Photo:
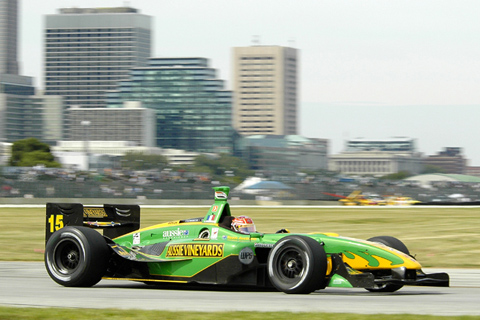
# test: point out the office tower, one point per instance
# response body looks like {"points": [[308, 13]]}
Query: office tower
{"points": [[193, 111], [88, 50], [8, 36], [24, 114], [265, 85], [20, 111], [130, 123]]}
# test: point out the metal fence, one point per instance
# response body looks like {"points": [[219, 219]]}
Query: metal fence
{"points": [[85, 187]]}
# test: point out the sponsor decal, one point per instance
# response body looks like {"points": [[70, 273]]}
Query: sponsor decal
{"points": [[224, 237], [214, 208], [136, 238], [175, 233], [211, 218], [214, 233], [195, 250], [220, 195], [246, 255], [263, 245], [94, 213], [237, 238]]}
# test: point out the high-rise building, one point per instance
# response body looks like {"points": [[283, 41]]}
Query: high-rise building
{"points": [[26, 115], [193, 110], [23, 114], [265, 85], [88, 50], [8, 36]]}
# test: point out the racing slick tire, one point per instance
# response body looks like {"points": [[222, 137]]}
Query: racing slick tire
{"points": [[297, 264], [76, 256], [394, 243]]}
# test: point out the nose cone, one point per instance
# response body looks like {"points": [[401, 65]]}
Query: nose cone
{"points": [[378, 256]]}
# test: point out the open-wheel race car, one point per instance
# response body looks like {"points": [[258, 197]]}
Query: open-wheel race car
{"points": [[218, 249]]}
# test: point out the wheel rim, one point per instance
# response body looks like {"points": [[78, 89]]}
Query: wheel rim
{"points": [[66, 257], [290, 264]]}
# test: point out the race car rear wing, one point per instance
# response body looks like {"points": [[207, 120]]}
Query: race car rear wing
{"points": [[115, 219]]}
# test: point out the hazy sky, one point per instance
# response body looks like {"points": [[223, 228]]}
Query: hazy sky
{"points": [[372, 69]]}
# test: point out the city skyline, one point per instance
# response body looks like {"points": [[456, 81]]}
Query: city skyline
{"points": [[374, 69]]}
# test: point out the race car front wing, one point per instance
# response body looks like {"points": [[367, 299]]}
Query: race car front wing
{"points": [[341, 272]]}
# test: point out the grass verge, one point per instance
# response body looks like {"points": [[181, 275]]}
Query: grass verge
{"points": [[9, 313]]}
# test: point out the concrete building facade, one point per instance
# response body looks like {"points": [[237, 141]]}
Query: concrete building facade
{"points": [[265, 82], [450, 160], [81, 155], [25, 114], [130, 123], [5, 152], [377, 157], [87, 51], [281, 156], [8, 36]]}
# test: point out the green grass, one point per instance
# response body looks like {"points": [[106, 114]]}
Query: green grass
{"points": [[9, 313], [438, 237]]}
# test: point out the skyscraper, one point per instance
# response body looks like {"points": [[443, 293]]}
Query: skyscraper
{"points": [[193, 110], [265, 84], [8, 36], [88, 50], [22, 114]]}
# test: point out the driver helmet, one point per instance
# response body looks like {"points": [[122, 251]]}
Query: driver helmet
{"points": [[243, 224]]}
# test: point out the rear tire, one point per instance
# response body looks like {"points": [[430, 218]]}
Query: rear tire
{"points": [[297, 264], [394, 243], [76, 256]]}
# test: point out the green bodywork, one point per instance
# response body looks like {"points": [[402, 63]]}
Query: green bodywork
{"points": [[202, 250]]}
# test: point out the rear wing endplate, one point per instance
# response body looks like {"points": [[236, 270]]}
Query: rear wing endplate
{"points": [[115, 219]]}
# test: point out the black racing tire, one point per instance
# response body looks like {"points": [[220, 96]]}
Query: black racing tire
{"points": [[297, 264], [394, 243], [76, 256]]}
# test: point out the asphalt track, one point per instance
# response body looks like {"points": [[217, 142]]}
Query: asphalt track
{"points": [[26, 284]]}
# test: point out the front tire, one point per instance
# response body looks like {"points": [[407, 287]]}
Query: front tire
{"points": [[394, 243], [297, 264], [76, 256]]}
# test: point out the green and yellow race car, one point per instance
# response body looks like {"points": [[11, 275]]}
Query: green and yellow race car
{"points": [[218, 249]]}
